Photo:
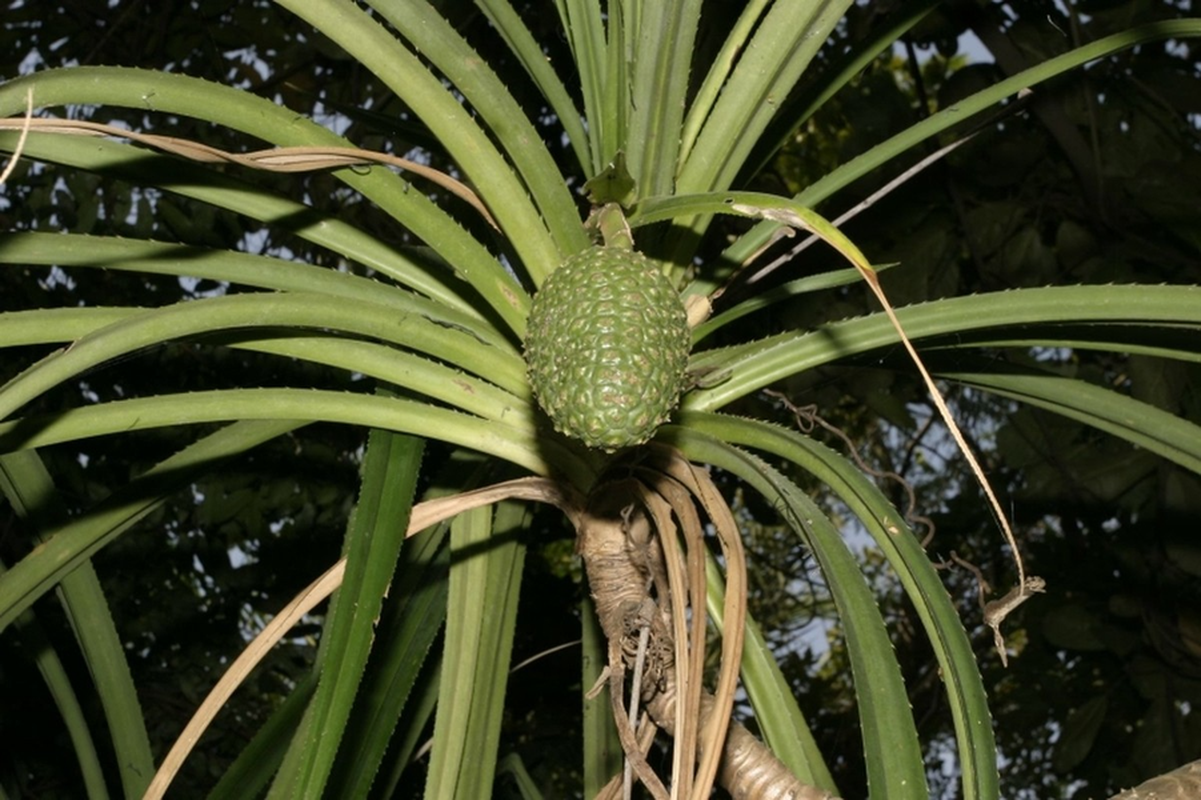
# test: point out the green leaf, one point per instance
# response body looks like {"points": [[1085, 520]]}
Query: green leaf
{"points": [[485, 574], [413, 732], [527, 50], [1027, 79], [30, 489], [747, 204], [376, 532], [787, 291], [613, 184], [512, 765], [894, 756], [76, 251], [719, 73], [782, 46], [602, 746], [1159, 431], [584, 26], [36, 646], [1079, 733], [254, 767], [263, 311], [415, 374], [887, 151], [240, 110], [960, 321], [664, 43], [956, 658], [374, 46], [411, 618], [517, 445], [436, 39], [71, 544], [132, 164], [802, 105], [400, 686]]}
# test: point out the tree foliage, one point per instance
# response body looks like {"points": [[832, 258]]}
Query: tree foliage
{"points": [[1091, 180]]}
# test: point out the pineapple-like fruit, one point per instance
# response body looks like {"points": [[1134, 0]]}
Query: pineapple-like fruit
{"points": [[607, 347]]}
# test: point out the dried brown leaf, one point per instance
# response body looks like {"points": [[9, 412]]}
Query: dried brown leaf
{"points": [[276, 159]]}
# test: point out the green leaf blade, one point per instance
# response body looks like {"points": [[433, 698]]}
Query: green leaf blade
{"points": [[481, 614], [240, 110], [957, 660], [894, 756], [374, 537], [69, 546]]}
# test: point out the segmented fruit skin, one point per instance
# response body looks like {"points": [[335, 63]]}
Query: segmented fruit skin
{"points": [[607, 346]]}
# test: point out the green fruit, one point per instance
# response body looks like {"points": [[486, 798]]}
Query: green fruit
{"points": [[607, 346]]}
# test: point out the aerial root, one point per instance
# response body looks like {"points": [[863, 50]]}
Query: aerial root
{"points": [[641, 536]]}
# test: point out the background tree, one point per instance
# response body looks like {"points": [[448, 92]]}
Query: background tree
{"points": [[1103, 691]]}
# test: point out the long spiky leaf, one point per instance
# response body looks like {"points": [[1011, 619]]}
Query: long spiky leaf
{"points": [[666, 38], [262, 311], [31, 491], [894, 761], [423, 91], [378, 526], [79, 251], [956, 114], [494, 105], [957, 660], [517, 445], [70, 545], [509, 24], [239, 110]]}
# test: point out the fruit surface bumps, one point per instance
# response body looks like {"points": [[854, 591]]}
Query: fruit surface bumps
{"points": [[607, 346]]}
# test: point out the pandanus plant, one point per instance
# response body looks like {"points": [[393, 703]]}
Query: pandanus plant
{"points": [[617, 419]]}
